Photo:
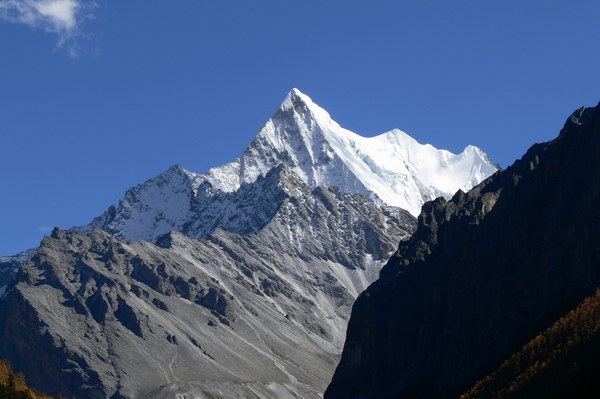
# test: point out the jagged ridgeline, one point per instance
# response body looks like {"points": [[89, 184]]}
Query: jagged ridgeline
{"points": [[235, 283], [486, 275]]}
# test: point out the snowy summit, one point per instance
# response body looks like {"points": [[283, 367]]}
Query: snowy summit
{"points": [[391, 168]]}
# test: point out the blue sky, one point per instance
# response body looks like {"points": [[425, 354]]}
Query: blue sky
{"points": [[97, 97]]}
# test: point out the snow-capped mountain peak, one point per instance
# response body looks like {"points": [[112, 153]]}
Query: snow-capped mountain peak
{"points": [[391, 168], [303, 105], [295, 136]]}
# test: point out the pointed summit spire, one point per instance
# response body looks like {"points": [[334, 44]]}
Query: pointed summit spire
{"points": [[295, 96], [295, 99], [298, 102]]}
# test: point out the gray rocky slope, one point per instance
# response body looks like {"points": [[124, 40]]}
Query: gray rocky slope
{"points": [[253, 309]]}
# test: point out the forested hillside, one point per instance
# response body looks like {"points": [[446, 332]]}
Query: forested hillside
{"points": [[13, 386], [561, 362]]}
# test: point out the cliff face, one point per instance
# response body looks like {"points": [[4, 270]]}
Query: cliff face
{"points": [[484, 273]]}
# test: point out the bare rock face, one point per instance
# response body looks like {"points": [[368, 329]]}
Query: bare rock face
{"points": [[482, 275], [256, 307]]}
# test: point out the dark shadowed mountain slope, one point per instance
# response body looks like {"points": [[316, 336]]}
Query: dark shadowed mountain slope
{"points": [[484, 273]]}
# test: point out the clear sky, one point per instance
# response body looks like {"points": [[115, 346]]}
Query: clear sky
{"points": [[97, 97]]}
